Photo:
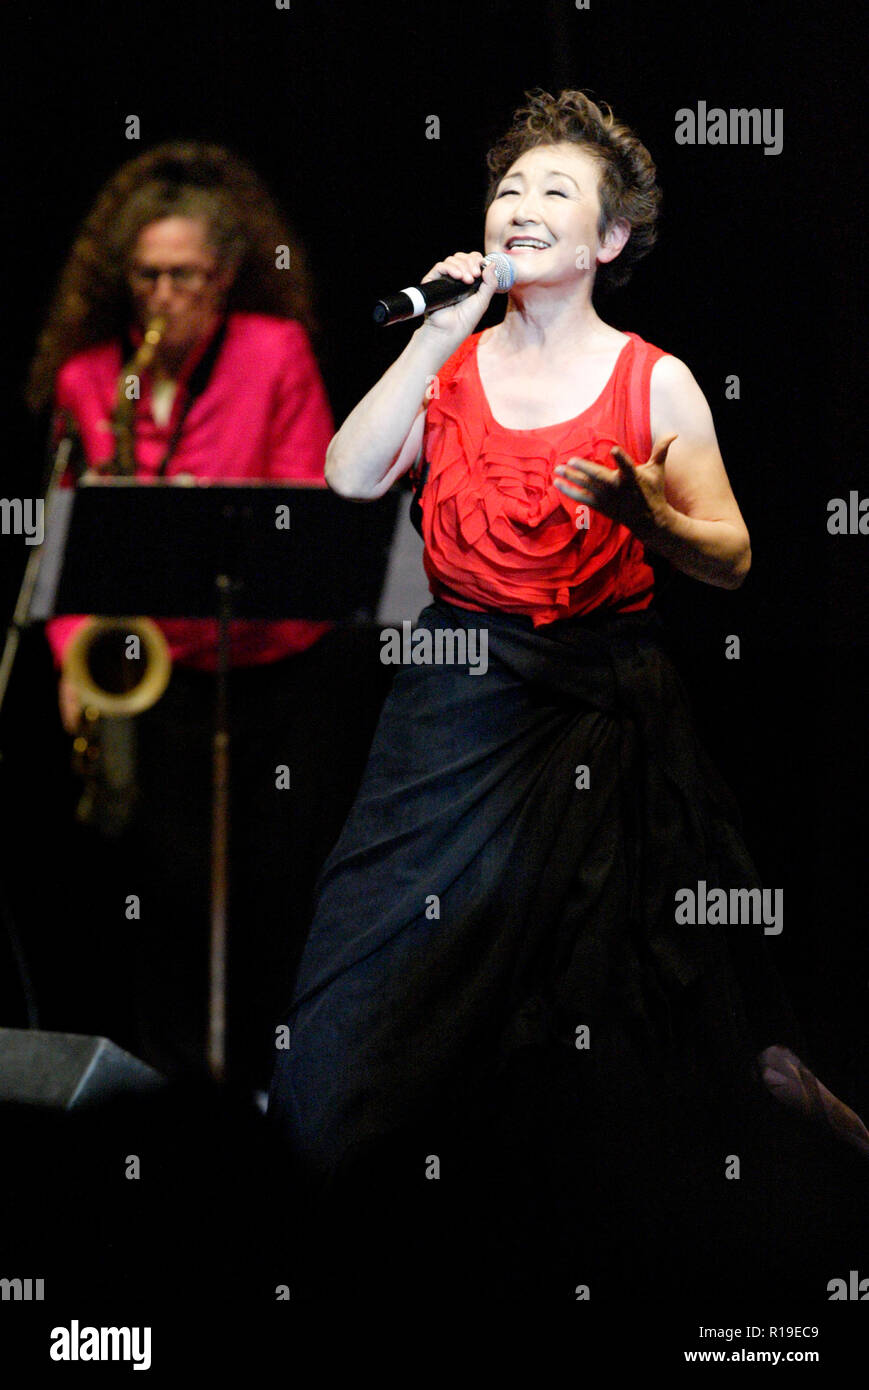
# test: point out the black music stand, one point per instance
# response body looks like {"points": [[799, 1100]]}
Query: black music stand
{"points": [[195, 548]]}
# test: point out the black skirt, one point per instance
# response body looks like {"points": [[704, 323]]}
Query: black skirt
{"points": [[488, 895], [501, 1035]]}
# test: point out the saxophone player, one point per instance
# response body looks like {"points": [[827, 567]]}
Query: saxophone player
{"points": [[185, 245]]}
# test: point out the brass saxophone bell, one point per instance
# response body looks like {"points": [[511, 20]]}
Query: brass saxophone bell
{"points": [[118, 665]]}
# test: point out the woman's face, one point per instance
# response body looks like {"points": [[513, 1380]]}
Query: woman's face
{"points": [[545, 213], [174, 271]]}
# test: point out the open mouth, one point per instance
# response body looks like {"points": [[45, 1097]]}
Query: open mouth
{"points": [[526, 243]]}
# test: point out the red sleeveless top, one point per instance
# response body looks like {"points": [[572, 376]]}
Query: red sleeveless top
{"points": [[498, 533]]}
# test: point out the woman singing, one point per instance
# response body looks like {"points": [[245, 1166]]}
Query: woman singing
{"points": [[497, 983]]}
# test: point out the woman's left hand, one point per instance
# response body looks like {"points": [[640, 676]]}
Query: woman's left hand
{"points": [[633, 495]]}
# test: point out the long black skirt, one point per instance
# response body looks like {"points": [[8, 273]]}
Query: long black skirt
{"points": [[496, 997]]}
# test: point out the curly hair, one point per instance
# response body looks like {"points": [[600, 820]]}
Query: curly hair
{"points": [[180, 179], [627, 180]]}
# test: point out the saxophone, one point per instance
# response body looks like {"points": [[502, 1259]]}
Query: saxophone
{"points": [[119, 666], [124, 461]]}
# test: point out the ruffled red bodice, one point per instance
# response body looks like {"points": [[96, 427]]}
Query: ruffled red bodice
{"points": [[498, 533]]}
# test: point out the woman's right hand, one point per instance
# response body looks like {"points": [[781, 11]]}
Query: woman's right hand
{"points": [[376, 443], [458, 320]]}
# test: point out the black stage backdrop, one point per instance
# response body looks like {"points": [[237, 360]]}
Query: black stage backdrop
{"points": [[757, 275]]}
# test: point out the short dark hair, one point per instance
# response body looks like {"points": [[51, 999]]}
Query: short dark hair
{"points": [[628, 187]]}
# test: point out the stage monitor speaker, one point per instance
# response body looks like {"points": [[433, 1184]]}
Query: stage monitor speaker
{"points": [[68, 1070]]}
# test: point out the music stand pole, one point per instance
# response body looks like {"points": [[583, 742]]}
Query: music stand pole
{"points": [[219, 843]]}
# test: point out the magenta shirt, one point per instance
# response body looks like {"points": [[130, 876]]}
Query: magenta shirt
{"points": [[263, 414]]}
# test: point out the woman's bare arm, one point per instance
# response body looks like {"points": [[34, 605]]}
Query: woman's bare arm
{"points": [[382, 437], [706, 535], [679, 502]]}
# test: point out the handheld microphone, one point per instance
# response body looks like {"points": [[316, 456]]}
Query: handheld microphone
{"points": [[439, 294]]}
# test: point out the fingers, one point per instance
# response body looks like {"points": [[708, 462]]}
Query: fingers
{"points": [[586, 468], [577, 478], [659, 450], [69, 705], [591, 476], [576, 493], [70, 720], [584, 471], [624, 461], [462, 265], [627, 465]]}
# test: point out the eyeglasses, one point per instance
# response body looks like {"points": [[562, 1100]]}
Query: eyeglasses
{"points": [[183, 277]]}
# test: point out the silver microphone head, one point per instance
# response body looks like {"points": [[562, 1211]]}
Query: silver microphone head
{"points": [[503, 268]]}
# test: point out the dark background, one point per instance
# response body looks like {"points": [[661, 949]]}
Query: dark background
{"points": [[758, 273]]}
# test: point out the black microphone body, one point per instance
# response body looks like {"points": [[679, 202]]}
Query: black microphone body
{"points": [[417, 300]]}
